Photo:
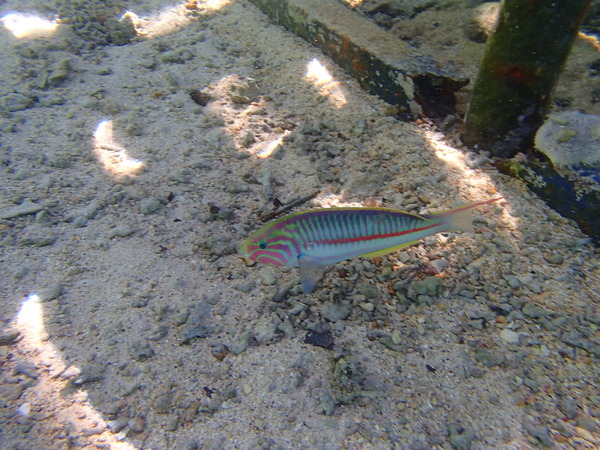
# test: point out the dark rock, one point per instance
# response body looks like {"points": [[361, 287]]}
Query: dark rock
{"points": [[319, 339]]}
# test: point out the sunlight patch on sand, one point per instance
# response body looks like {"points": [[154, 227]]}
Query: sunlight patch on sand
{"points": [[28, 25], [113, 157], [170, 19], [47, 395], [476, 184], [318, 75], [268, 148]]}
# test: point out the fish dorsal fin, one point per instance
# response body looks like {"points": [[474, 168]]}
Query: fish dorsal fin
{"points": [[310, 272], [385, 251]]}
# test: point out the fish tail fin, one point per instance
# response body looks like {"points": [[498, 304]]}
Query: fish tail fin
{"points": [[461, 221], [461, 217]]}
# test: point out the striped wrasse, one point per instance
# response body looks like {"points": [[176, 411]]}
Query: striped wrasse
{"points": [[315, 239]]}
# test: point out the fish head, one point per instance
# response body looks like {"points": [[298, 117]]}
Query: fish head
{"points": [[268, 245]]}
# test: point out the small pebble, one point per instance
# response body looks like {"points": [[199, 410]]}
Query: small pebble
{"points": [[27, 207], [509, 336], [121, 231], [137, 424], [50, 293], [149, 205], [7, 337], [24, 409], [322, 339], [554, 258]]}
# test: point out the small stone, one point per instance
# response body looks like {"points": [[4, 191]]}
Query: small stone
{"points": [[117, 425], [489, 358], [532, 384], [37, 236], [241, 343], [141, 350], [162, 402], [244, 92], [586, 422], [554, 258], [121, 231], [87, 432], [540, 433], [50, 293], [368, 290], [568, 407], [367, 306], [509, 336], [544, 351], [194, 331], [137, 424], [70, 372], [122, 31], [27, 207], [59, 72], [269, 277], [246, 388], [430, 286], [247, 139], [439, 264], [50, 99], [265, 330], [172, 422], [460, 437], [131, 388], [219, 352], [322, 339], [24, 409], [512, 281], [11, 392], [26, 368], [149, 205], [9, 336], [15, 102], [87, 375], [326, 403], [158, 333], [532, 311], [335, 311], [177, 56], [587, 435]]}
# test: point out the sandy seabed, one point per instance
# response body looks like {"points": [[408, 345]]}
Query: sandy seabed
{"points": [[129, 321]]}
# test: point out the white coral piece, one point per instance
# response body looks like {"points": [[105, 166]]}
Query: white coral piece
{"points": [[570, 139]]}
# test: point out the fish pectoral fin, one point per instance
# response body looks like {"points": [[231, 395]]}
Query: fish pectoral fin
{"points": [[310, 272], [385, 251]]}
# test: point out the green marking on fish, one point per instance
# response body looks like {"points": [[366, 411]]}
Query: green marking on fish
{"points": [[315, 239]]}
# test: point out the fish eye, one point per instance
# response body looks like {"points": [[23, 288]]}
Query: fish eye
{"points": [[262, 245]]}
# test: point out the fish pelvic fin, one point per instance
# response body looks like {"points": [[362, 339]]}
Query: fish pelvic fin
{"points": [[311, 271]]}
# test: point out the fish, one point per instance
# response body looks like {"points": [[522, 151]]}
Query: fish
{"points": [[315, 239]]}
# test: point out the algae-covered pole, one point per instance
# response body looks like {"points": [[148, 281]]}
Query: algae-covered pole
{"points": [[522, 61]]}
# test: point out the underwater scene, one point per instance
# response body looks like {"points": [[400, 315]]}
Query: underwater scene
{"points": [[299, 224]]}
